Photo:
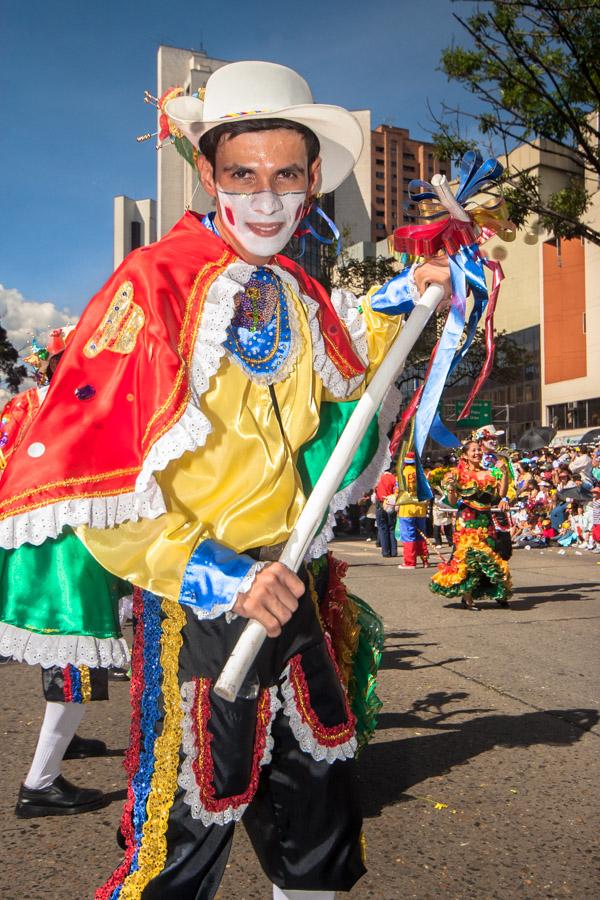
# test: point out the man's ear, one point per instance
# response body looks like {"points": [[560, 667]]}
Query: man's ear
{"points": [[314, 178], [206, 175]]}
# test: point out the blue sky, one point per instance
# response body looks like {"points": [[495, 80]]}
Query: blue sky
{"points": [[72, 76]]}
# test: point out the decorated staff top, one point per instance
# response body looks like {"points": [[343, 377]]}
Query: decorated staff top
{"points": [[456, 225]]}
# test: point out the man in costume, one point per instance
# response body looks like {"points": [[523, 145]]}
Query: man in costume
{"points": [[208, 382], [411, 522], [487, 436], [45, 792]]}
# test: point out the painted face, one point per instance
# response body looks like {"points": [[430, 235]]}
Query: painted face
{"points": [[264, 221]]}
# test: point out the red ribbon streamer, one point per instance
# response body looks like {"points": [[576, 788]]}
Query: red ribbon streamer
{"points": [[426, 240]]}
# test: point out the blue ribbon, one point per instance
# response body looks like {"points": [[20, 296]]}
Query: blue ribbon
{"points": [[319, 237]]}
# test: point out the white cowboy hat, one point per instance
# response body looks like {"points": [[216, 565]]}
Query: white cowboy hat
{"points": [[487, 429], [263, 90]]}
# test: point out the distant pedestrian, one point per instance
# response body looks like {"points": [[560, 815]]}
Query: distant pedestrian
{"points": [[411, 523], [385, 513]]}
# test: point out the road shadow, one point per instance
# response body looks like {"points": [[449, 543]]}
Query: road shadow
{"points": [[401, 650], [116, 752], [115, 796], [387, 770]]}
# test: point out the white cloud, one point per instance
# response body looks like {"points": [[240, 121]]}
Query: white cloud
{"points": [[26, 319]]}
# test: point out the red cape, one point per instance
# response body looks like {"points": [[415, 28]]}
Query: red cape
{"points": [[96, 447]]}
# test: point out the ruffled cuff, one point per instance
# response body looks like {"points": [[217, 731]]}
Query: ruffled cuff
{"points": [[213, 578], [397, 296]]}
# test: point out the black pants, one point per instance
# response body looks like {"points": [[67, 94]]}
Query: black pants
{"points": [[75, 684], [386, 523], [437, 534], [197, 763]]}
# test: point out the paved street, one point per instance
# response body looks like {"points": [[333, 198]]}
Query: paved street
{"points": [[482, 780]]}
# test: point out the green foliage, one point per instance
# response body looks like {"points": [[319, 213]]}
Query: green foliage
{"points": [[359, 276], [12, 372], [534, 67]]}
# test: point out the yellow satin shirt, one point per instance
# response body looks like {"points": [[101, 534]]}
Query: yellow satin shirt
{"points": [[241, 488]]}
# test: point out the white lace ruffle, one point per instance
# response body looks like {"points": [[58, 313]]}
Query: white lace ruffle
{"points": [[304, 734], [346, 305], [187, 777], [61, 650], [35, 525], [366, 480]]}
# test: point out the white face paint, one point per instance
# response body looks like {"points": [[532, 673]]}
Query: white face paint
{"points": [[263, 222]]}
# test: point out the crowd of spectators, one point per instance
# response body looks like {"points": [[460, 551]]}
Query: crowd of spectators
{"points": [[555, 500]]}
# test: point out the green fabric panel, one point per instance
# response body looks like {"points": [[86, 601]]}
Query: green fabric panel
{"points": [[314, 455], [59, 588]]}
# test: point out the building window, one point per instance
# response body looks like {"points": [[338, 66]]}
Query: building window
{"points": [[135, 234], [578, 414], [380, 227], [379, 187], [380, 214], [379, 175]]}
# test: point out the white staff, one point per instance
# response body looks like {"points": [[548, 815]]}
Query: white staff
{"points": [[251, 639]]}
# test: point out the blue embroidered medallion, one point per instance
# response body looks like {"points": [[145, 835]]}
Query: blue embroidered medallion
{"points": [[260, 336]]}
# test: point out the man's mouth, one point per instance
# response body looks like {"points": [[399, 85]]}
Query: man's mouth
{"points": [[264, 230]]}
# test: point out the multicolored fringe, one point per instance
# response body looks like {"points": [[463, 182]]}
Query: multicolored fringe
{"points": [[77, 686], [197, 770], [362, 689], [475, 568], [151, 761], [357, 638]]}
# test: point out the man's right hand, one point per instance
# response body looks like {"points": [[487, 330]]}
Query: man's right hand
{"points": [[272, 599]]}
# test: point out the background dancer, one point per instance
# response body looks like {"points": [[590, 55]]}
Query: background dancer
{"points": [[45, 792], [411, 524], [475, 570]]}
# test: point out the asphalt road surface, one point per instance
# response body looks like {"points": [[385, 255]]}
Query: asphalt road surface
{"points": [[482, 781]]}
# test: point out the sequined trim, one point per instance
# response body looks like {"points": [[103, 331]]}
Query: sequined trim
{"points": [[120, 325], [322, 742], [67, 684], [153, 850], [86, 684], [111, 889], [197, 770]]}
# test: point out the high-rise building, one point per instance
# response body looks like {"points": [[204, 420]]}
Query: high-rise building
{"points": [[397, 159]]}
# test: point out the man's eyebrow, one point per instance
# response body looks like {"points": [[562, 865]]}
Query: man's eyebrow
{"points": [[235, 165], [293, 167]]}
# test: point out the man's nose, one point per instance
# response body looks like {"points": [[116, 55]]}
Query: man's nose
{"points": [[266, 202]]}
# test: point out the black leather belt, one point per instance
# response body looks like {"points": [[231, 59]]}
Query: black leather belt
{"points": [[267, 554]]}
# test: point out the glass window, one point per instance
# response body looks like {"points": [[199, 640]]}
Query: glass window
{"points": [[136, 235], [593, 416]]}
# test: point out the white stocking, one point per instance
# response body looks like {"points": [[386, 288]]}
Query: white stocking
{"points": [[58, 728], [278, 894]]}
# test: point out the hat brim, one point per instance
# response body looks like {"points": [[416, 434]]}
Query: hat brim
{"points": [[339, 133]]}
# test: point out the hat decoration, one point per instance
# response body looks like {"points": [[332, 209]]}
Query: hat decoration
{"points": [[39, 356]]}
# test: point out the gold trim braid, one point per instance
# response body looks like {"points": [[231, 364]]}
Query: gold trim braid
{"points": [[153, 850]]}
